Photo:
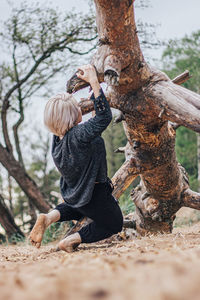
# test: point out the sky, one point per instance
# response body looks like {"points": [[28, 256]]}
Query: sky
{"points": [[176, 17]]}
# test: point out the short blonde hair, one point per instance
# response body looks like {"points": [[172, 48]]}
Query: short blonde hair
{"points": [[61, 113]]}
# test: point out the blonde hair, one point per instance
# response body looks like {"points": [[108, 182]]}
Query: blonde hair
{"points": [[61, 113]]}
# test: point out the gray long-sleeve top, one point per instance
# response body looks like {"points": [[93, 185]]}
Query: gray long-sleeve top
{"points": [[81, 156]]}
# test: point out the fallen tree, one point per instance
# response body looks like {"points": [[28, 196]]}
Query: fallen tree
{"points": [[152, 107]]}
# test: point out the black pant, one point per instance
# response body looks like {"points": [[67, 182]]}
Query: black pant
{"points": [[103, 209]]}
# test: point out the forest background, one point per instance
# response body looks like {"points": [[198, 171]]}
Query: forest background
{"points": [[56, 43]]}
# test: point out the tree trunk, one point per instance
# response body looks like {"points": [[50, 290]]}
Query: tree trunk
{"points": [[32, 214], [7, 220], [25, 182], [153, 107], [198, 160], [10, 198]]}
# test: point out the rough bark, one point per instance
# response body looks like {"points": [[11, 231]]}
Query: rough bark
{"points": [[7, 220], [153, 107], [198, 160], [10, 198], [32, 214], [25, 182], [126, 173]]}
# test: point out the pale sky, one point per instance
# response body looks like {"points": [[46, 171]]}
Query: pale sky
{"points": [[176, 17]]}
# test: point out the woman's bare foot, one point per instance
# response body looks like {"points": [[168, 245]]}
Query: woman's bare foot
{"points": [[38, 230], [70, 243]]}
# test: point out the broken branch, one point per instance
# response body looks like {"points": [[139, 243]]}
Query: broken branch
{"points": [[124, 177], [183, 77], [191, 199]]}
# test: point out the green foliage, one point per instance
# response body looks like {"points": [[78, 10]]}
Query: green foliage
{"points": [[126, 203], [186, 150], [16, 238], [53, 232], [114, 138], [2, 239], [21, 205], [181, 55]]}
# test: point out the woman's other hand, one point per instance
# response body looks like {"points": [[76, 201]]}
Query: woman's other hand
{"points": [[88, 73]]}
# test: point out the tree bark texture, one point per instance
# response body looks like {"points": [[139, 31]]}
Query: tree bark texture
{"points": [[198, 160], [153, 106], [7, 220]]}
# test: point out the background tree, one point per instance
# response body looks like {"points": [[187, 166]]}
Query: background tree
{"points": [[37, 43], [44, 174], [8, 222], [181, 55]]}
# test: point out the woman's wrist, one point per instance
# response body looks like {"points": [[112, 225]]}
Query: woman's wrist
{"points": [[96, 88]]}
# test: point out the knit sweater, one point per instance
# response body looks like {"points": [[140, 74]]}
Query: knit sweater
{"points": [[80, 156]]}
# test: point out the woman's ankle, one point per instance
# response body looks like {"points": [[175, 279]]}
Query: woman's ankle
{"points": [[52, 217]]}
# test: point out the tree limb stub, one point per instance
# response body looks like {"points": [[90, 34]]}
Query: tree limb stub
{"points": [[180, 79], [112, 70], [191, 199], [124, 177], [86, 106], [120, 150], [180, 105]]}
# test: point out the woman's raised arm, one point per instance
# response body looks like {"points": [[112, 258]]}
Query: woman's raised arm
{"points": [[88, 130]]}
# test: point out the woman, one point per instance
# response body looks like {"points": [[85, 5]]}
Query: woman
{"points": [[79, 154]]}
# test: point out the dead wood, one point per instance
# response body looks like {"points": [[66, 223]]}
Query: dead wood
{"points": [[153, 106]]}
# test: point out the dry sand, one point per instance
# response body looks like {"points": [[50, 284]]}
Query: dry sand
{"points": [[150, 268]]}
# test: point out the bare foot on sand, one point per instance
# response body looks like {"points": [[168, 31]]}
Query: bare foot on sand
{"points": [[38, 230], [70, 243]]}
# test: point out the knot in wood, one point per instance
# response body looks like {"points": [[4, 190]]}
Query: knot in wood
{"points": [[136, 144], [104, 41]]}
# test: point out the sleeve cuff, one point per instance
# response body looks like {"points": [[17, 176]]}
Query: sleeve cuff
{"points": [[100, 103], [93, 97]]}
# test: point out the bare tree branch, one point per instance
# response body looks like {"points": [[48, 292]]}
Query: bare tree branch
{"points": [[124, 177], [21, 112], [191, 199], [180, 79]]}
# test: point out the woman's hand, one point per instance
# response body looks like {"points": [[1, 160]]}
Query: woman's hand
{"points": [[88, 73]]}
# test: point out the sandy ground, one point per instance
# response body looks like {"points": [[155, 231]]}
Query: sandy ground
{"points": [[162, 267]]}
